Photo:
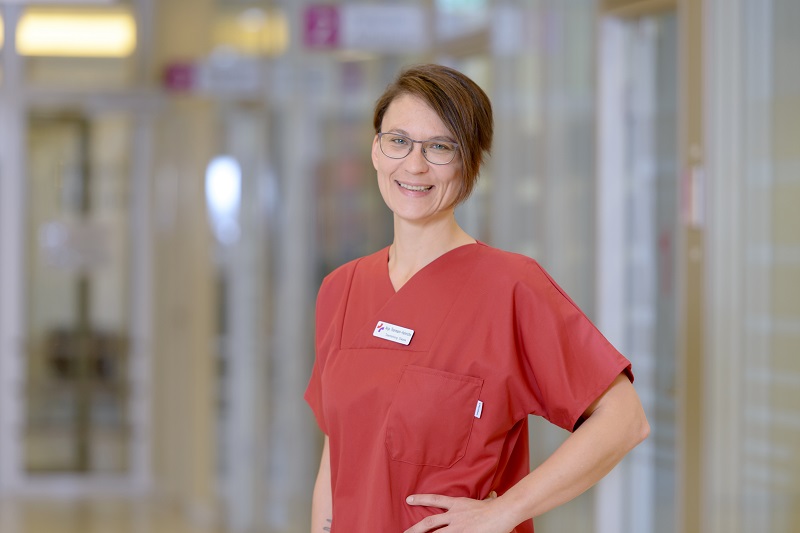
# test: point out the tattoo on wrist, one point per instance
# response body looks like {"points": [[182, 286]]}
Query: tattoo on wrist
{"points": [[328, 527]]}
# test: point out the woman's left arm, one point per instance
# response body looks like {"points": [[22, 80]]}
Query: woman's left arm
{"points": [[613, 425]]}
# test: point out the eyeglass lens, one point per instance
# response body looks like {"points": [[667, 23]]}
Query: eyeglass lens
{"points": [[398, 146]]}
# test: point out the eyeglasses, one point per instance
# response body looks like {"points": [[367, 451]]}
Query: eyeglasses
{"points": [[398, 146]]}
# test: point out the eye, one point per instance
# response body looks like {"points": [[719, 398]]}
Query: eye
{"points": [[398, 140], [439, 146]]}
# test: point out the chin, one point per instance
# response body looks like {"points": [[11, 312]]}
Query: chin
{"points": [[409, 215]]}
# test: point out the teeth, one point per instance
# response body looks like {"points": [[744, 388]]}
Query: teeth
{"points": [[417, 188]]}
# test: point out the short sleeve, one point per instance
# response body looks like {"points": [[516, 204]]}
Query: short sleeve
{"points": [[331, 301], [322, 348], [313, 395], [569, 362]]}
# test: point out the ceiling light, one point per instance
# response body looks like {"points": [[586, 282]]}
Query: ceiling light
{"points": [[76, 33]]}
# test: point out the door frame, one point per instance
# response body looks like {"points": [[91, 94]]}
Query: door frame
{"points": [[16, 103]]}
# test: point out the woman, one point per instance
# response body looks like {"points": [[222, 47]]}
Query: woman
{"points": [[432, 352]]}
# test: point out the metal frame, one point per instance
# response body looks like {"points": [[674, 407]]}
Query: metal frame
{"points": [[610, 493], [11, 250]]}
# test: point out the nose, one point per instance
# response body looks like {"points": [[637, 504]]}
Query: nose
{"points": [[416, 159]]}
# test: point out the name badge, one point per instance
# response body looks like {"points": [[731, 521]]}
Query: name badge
{"points": [[393, 333]]}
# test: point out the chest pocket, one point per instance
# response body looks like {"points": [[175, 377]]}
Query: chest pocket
{"points": [[431, 416]]}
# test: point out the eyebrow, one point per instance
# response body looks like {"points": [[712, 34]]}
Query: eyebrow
{"points": [[434, 138]]}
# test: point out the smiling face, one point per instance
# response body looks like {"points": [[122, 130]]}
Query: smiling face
{"points": [[415, 189]]}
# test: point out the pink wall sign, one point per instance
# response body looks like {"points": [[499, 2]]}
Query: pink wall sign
{"points": [[321, 27], [180, 76]]}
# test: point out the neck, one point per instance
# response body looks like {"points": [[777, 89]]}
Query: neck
{"points": [[416, 245]]}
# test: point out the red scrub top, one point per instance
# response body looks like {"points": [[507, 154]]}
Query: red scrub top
{"points": [[488, 326]]}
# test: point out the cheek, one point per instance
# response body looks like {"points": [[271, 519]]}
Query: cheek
{"points": [[457, 180], [384, 167]]}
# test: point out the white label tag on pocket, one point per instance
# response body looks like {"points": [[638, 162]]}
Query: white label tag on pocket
{"points": [[479, 409], [393, 333]]}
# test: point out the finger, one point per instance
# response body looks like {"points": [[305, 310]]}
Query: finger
{"points": [[429, 523], [492, 495], [431, 500]]}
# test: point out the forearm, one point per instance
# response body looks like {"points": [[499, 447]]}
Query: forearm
{"points": [[614, 427], [321, 504]]}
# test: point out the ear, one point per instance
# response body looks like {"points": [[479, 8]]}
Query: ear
{"points": [[376, 151]]}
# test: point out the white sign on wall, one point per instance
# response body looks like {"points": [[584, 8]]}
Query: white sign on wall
{"points": [[395, 28], [392, 29]]}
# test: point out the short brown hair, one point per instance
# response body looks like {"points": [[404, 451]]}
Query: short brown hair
{"points": [[460, 103]]}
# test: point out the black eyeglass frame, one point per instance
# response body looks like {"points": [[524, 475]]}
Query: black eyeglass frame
{"points": [[411, 148]]}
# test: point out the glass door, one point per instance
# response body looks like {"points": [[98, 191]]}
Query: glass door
{"points": [[638, 243], [76, 407], [752, 409]]}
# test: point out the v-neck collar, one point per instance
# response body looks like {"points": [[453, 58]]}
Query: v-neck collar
{"points": [[388, 278], [421, 304]]}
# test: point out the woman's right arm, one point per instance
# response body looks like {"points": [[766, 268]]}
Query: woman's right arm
{"points": [[321, 504]]}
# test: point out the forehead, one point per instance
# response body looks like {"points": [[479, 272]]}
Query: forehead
{"points": [[414, 116]]}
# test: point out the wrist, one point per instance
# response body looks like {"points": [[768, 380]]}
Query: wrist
{"points": [[512, 510]]}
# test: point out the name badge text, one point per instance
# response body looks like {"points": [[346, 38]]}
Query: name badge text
{"points": [[392, 332]]}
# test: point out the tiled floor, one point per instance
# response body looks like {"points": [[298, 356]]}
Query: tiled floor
{"points": [[92, 517]]}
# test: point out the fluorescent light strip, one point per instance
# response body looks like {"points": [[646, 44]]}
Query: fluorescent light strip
{"points": [[76, 33]]}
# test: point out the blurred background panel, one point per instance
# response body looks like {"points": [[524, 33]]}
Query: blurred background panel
{"points": [[177, 177]]}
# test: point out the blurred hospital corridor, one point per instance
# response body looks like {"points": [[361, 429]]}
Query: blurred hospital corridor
{"points": [[178, 176]]}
